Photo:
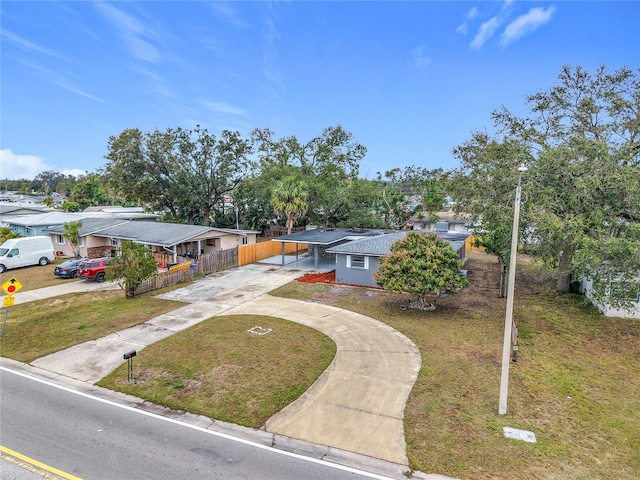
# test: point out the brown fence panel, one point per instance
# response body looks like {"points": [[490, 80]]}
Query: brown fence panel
{"points": [[248, 254], [470, 244], [216, 261], [207, 263]]}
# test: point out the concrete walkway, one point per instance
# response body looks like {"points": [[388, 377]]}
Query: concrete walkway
{"points": [[358, 403]]}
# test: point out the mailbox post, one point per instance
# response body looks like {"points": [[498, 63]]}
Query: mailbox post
{"points": [[129, 357]]}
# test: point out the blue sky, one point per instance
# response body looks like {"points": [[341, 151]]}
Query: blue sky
{"points": [[410, 80]]}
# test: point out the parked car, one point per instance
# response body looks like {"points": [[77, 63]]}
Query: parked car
{"points": [[26, 251], [93, 269], [69, 268]]}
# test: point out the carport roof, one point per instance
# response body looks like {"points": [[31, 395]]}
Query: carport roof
{"points": [[326, 236]]}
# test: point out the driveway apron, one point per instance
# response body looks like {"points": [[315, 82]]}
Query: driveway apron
{"points": [[358, 403]]}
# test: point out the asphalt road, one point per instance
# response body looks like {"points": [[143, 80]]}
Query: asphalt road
{"points": [[96, 439]]}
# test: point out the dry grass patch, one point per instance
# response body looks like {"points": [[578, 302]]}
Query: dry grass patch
{"points": [[575, 384], [218, 369], [36, 276], [36, 329]]}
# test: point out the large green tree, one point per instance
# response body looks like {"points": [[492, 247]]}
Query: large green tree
{"points": [[328, 163], [581, 193], [186, 173], [133, 264], [289, 198], [421, 264]]}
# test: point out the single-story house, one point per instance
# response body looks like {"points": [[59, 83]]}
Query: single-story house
{"points": [[318, 240], [444, 222], [632, 294], [103, 237], [36, 223], [358, 260]]}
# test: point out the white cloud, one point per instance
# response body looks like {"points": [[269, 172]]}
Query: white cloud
{"points": [[226, 11], [463, 27], [525, 24], [486, 31], [420, 58], [16, 167], [134, 33], [221, 107], [28, 46]]}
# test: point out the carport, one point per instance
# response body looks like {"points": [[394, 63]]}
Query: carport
{"points": [[318, 241]]}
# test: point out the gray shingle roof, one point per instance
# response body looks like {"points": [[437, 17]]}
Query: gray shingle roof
{"points": [[380, 245], [155, 233]]}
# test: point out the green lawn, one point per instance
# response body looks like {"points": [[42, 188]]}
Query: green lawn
{"points": [[576, 383]]}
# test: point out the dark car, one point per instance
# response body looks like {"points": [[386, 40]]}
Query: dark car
{"points": [[93, 269], [69, 268]]}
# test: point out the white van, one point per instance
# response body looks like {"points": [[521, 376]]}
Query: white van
{"points": [[26, 251]]}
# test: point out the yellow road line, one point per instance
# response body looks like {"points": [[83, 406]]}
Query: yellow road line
{"points": [[30, 462]]}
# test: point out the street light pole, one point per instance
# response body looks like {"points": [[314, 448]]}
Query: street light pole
{"points": [[508, 320]]}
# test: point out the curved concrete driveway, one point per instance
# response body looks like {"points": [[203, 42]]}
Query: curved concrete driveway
{"points": [[358, 403]]}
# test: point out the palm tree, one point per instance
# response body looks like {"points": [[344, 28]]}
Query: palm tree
{"points": [[289, 197]]}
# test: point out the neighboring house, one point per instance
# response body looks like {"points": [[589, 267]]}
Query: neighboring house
{"points": [[358, 260], [36, 223], [633, 294], [30, 224], [445, 222], [103, 237], [10, 210]]}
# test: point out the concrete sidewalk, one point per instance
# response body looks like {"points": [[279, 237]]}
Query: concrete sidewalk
{"points": [[65, 286]]}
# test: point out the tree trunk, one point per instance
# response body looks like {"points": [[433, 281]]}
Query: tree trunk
{"points": [[564, 279], [206, 216]]}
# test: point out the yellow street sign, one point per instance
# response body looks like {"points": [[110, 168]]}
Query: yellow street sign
{"points": [[8, 301], [11, 286]]}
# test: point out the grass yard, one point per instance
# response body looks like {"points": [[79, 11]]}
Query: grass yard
{"points": [[36, 276], [576, 382], [219, 369], [36, 329]]}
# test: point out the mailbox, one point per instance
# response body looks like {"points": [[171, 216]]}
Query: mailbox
{"points": [[129, 355]]}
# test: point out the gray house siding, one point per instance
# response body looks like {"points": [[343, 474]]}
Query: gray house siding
{"points": [[356, 276]]}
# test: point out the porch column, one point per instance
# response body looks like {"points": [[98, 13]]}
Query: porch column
{"points": [[316, 256], [282, 253]]}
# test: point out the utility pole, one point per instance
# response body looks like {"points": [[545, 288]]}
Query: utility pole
{"points": [[508, 320]]}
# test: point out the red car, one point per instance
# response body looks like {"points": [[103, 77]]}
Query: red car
{"points": [[93, 269]]}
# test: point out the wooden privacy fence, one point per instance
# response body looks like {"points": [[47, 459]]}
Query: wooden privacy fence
{"points": [[470, 244], [248, 254], [207, 263]]}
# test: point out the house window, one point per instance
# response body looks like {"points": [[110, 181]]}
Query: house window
{"points": [[245, 240], [625, 291], [358, 261], [115, 242], [60, 240], [27, 231]]}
